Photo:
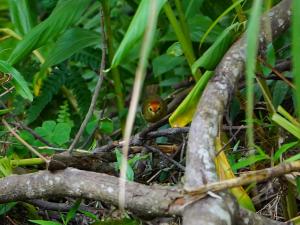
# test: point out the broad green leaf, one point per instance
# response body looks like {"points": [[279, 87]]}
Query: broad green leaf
{"points": [[185, 111], [129, 172], [231, 7], [22, 15], [18, 80], [66, 13], [283, 149], [61, 133], [69, 43], [214, 54], [44, 222], [135, 30], [106, 126], [165, 63]]}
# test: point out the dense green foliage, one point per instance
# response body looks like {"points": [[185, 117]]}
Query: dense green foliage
{"points": [[50, 56]]}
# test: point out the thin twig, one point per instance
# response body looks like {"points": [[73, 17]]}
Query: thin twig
{"points": [[6, 91], [97, 89], [30, 148], [276, 72], [247, 178]]}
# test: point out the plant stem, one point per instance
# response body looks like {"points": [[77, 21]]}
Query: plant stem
{"points": [[185, 43]]}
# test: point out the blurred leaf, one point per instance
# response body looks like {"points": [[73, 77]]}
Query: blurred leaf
{"points": [[283, 149], [284, 123], [231, 7], [69, 43], [271, 58], [124, 221], [5, 167], [4, 208], [106, 126], [279, 92], [22, 15], [192, 7], [135, 31], [66, 13], [296, 50], [5, 111], [250, 160], [214, 54], [18, 80], [175, 49], [72, 212], [165, 63], [44, 222], [252, 36], [129, 172], [185, 111], [61, 133]]}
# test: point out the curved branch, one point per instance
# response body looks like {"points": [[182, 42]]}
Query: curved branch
{"points": [[200, 168]]}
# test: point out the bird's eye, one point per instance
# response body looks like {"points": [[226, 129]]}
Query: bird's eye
{"points": [[150, 108], [158, 108]]}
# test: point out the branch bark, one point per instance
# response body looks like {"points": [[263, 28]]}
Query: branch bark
{"points": [[200, 168]]}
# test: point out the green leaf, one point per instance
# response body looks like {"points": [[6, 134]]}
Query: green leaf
{"points": [[271, 58], [124, 221], [293, 158], [135, 31], [71, 214], [106, 126], [252, 36], [279, 92], [129, 172], [244, 162], [5, 167], [69, 43], [165, 63], [284, 123], [185, 111], [283, 149], [61, 133], [4, 208], [214, 54], [5, 111], [44, 222], [18, 80], [175, 49], [66, 13], [22, 15]]}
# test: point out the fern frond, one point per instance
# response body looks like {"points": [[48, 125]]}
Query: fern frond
{"points": [[50, 88]]}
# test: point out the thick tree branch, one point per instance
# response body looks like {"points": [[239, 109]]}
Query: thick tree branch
{"points": [[200, 168]]}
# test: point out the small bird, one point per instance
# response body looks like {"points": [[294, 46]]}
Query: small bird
{"points": [[154, 108]]}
